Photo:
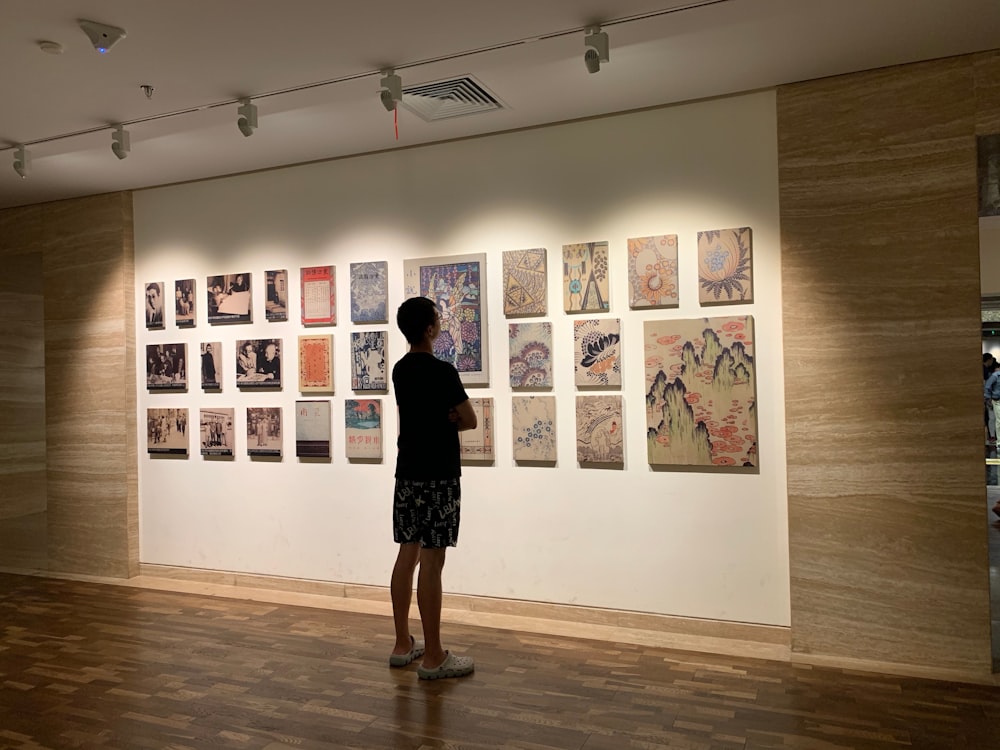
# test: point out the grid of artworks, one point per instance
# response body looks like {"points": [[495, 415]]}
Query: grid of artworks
{"points": [[478, 444], [363, 425], [600, 433], [597, 352], [533, 423], [530, 355], [368, 370], [701, 390], [264, 431], [369, 292], [524, 282]]}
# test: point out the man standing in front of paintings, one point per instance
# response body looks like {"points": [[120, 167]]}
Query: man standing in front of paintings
{"points": [[433, 408]]}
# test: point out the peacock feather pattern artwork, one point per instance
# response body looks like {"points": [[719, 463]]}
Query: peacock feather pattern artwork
{"points": [[725, 266]]}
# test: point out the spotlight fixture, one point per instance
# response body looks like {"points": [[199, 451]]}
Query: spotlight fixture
{"points": [[102, 36], [121, 143], [596, 43], [22, 162], [391, 89], [248, 117]]}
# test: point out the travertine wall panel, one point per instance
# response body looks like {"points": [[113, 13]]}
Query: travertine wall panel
{"points": [[880, 264]]}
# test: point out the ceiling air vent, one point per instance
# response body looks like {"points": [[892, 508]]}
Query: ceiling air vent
{"points": [[455, 97]]}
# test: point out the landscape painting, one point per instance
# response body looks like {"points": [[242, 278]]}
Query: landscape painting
{"points": [[533, 423], [530, 360], [524, 282], [701, 402], [363, 422]]}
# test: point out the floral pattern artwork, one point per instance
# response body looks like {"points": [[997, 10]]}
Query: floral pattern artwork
{"points": [[533, 424], [701, 403], [597, 352], [652, 271], [725, 266], [524, 282], [530, 355], [585, 277], [600, 430]]}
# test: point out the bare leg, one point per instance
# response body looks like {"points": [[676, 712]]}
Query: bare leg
{"points": [[401, 589], [429, 602]]}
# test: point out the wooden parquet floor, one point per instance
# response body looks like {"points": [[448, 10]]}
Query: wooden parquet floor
{"points": [[86, 665]]}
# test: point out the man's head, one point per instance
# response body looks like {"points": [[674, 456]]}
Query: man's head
{"points": [[270, 352], [153, 294], [208, 348], [248, 347], [988, 359], [415, 316]]}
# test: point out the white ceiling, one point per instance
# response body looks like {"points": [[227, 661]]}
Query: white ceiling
{"points": [[202, 55]]}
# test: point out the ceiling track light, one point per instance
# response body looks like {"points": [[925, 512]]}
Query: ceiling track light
{"points": [[596, 52], [248, 117], [390, 91], [121, 142], [22, 162]]}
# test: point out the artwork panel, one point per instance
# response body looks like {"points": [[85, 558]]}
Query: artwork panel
{"points": [[167, 431], [166, 367], [725, 266], [258, 363], [477, 444], [184, 303], [363, 425], [368, 368], [217, 431], [652, 271], [525, 282], [701, 386], [533, 421], [370, 292], [229, 298], [600, 430], [264, 431], [586, 281], [316, 363], [319, 295], [530, 355], [597, 347], [154, 304], [276, 295], [312, 429], [457, 284]]}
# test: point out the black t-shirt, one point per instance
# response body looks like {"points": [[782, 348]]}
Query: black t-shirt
{"points": [[426, 389]]}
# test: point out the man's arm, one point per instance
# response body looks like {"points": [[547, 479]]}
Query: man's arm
{"points": [[465, 416]]}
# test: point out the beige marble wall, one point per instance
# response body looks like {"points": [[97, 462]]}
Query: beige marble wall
{"points": [[880, 267], [89, 414]]}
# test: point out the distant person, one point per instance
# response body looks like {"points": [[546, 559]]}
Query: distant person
{"points": [[246, 361], [208, 374], [154, 306], [991, 392], [239, 285]]}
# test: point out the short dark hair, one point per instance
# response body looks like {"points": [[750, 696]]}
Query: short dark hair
{"points": [[153, 287], [987, 357], [414, 316]]}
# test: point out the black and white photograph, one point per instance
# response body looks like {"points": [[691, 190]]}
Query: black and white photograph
{"points": [[154, 305], [166, 367], [166, 431], [217, 433], [258, 363], [211, 365], [184, 307], [276, 298], [229, 298], [263, 431]]}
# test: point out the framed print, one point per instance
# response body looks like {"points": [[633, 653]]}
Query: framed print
{"points": [[316, 363], [184, 305], [363, 423], [725, 266], [701, 392], [530, 360], [258, 363], [211, 366], [368, 371], [533, 427], [524, 282], [166, 367], [652, 271], [585, 277], [263, 431], [217, 433], [319, 296], [477, 444], [370, 292], [600, 433], [229, 298], [166, 431], [276, 295], [456, 284], [312, 429], [154, 305], [597, 353]]}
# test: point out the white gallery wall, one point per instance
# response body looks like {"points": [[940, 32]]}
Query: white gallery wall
{"points": [[691, 543]]}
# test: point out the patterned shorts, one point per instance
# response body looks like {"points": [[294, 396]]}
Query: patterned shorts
{"points": [[427, 512]]}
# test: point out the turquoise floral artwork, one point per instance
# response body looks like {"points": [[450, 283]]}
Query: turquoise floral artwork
{"points": [[585, 277], [725, 266]]}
